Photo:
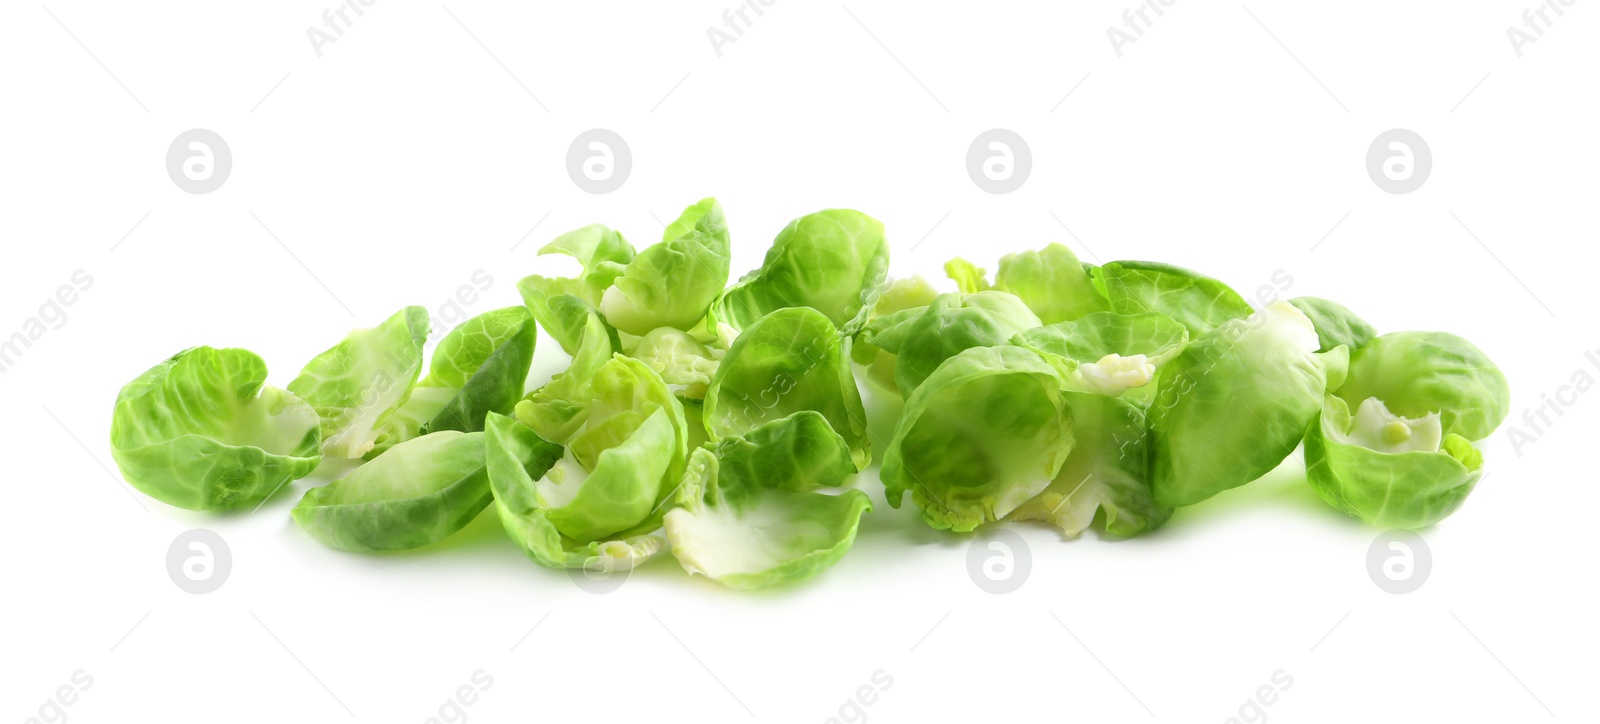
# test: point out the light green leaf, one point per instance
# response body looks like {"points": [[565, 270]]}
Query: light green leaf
{"points": [[1108, 472], [747, 520], [602, 252], [787, 361], [495, 387], [1108, 353], [498, 347], [556, 409], [1052, 282], [357, 384], [673, 283], [1234, 404], [1335, 324], [896, 304], [200, 431], [1196, 301], [406, 423], [561, 304], [832, 261], [593, 504], [703, 219], [679, 358], [951, 323], [1387, 470], [611, 477], [417, 493], [467, 347], [969, 277], [518, 459], [985, 433], [1417, 373]]}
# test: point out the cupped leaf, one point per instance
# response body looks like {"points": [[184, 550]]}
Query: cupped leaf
{"points": [[625, 437], [561, 304], [673, 283], [1387, 470], [600, 250], [1107, 472], [357, 384], [518, 459], [1108, 353], [703, 219], [597, 386], [465, 349], [497, 348], [1052, 282], [747, 519], [787, 361], [985, 433], [1196, 301], [417, 493], [951, 323], [495, 387], [1234, 404], [559, 409], [200, 431], [801, 452], [1417, 373], [832, 261], [610, 478], [1335, 323]]}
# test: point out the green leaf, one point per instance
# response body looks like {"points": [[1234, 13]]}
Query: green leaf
{"points": [[417, 493], [406, 423], [201, 432], [985, 433], [704, 219], [969, 277], [1335, 324], [1234, 404], [597, 385], [898, 297], [900, 301], [561, 304], [357, 384], [1108, 472], [611, 481], [1196, 301], [497, 347], [1108, 353], [495, 387], [673, 283], [517, 460], [625, 442], [1416, 373], [679, 358], [1389, 471], [466, 348], [602, 252], [1052, 282], [747, 519], [832, 261], [951, 323], [787, 361]]}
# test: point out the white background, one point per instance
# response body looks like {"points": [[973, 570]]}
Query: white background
{"points": [[411, 154]]}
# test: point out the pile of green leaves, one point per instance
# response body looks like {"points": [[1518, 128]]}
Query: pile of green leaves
{"points": [[724, 422]]}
